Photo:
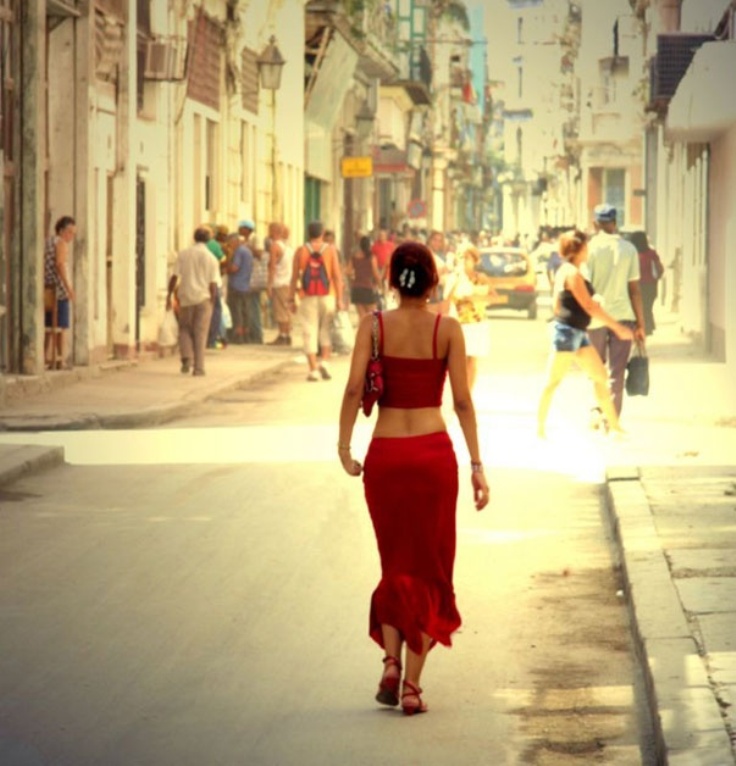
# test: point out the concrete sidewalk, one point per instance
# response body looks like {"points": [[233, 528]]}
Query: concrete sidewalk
{"points": [[672, 507], [132, 395]]}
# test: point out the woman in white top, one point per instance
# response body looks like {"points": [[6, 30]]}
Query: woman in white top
{"points": [[467, 291]]}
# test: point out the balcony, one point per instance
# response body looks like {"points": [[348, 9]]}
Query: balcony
{"points": [[674, 54], [371, 32], [415, 75]]}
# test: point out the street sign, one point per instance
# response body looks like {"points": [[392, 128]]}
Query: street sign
{"points": [[357, 167], [417, 208]]}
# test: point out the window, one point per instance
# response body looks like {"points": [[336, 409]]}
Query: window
{"points": [[520, 80], [206, 178], [519, 146], [250, 80], [614, 74], [144, 17], [210, 168], [614, 191]]}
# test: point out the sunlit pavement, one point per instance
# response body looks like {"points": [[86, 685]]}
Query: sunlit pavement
{"points": [[673, 430]]}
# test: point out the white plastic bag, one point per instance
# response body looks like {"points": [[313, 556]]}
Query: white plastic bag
{"points": [[226, 323], [343, 334], [168, 332]]}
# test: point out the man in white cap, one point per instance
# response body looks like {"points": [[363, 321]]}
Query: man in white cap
{"points": [[613, 266]]}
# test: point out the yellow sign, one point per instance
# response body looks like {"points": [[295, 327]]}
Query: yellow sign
{"points": [[357, 167]]}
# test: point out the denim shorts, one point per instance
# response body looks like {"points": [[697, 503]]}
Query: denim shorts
{"points": [[566, 338], [62, 315]]}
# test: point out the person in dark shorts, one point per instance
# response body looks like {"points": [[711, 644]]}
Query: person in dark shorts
{"points": [[58, 292], [365, 278]]}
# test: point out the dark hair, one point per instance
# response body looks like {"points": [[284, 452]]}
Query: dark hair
{"points": [[315, 230], [365, 246], [63, 222], [639, 240], [413, 270], [202, 234], [572, 242]]}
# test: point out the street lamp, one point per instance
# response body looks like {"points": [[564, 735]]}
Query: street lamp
{"points": [[270, 63]]}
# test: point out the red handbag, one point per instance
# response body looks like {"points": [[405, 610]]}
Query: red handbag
{"points": [[373, 386]]}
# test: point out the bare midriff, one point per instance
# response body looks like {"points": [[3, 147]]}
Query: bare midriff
{"points": [[394, 422]]}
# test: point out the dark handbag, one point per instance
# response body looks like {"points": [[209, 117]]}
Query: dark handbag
{"points": [[637, 372], [373, 386]]}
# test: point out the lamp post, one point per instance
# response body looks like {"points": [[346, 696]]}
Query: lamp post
{"points": [[270, 63]]}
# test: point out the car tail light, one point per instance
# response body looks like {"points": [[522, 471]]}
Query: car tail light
{"points": [[524, 288]]}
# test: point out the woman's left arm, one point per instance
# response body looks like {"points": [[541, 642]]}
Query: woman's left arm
{"points": [[376, 271], [353, 395]]}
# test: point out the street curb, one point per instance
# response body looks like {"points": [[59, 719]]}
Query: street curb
{"points": [[25, 459], [686, 720], [150, 416]]}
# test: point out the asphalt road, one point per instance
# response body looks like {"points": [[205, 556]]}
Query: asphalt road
{"points": [[199, 594]]}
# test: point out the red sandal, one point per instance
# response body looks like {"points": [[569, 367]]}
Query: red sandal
{"points": [[411, 701], [388, 688]]}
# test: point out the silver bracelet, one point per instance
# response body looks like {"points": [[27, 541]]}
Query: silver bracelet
{"points": [[476, 467]]}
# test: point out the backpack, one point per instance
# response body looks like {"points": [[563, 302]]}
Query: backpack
{"points": [[314, 279]]}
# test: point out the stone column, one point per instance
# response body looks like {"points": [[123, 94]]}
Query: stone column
{"points": [[83, 175], [32, 109], [124, 197]]}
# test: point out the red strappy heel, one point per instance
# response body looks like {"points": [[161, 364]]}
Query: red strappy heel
{"points": [[411, 701], [388, 687]]}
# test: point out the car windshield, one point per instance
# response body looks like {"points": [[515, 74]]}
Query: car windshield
{"points": [[504, 264]]}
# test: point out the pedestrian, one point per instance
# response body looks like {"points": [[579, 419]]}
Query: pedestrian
{"points": [[279, 276], [195, 279], [365, 278], [436, 245], [651, 270], [317, 279], [258, 286], [613, 267], [411, 473], [382, 249], [213, 336], [240, 269], [58, 292], [467, 291], [573, 306]]}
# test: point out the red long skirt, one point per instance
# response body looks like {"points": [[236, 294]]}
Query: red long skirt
{"points": [[411, 487]]}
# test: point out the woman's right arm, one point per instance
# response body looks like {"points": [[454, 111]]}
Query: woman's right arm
{"points": [[465, 410], [576, 285]]}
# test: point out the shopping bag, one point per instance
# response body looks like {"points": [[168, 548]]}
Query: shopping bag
{"points": [[226, 321], [343, 335], [168, 332], [637, 372]]}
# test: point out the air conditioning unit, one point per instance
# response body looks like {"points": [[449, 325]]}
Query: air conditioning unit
{"points": [[166, 59]]}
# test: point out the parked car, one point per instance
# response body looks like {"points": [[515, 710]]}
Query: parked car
{"points": [[512, 275]]}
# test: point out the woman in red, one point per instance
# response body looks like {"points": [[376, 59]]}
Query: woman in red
{"points": [[411, 474]]}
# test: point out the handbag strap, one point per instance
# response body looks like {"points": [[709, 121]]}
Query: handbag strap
{"points": [[376, 335], [639, 349]]}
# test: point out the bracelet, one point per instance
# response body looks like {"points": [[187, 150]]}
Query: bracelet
{"points": [[343, 447], [476, 467]]}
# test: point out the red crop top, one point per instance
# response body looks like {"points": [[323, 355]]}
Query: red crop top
{"points": [[412, 383]]}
